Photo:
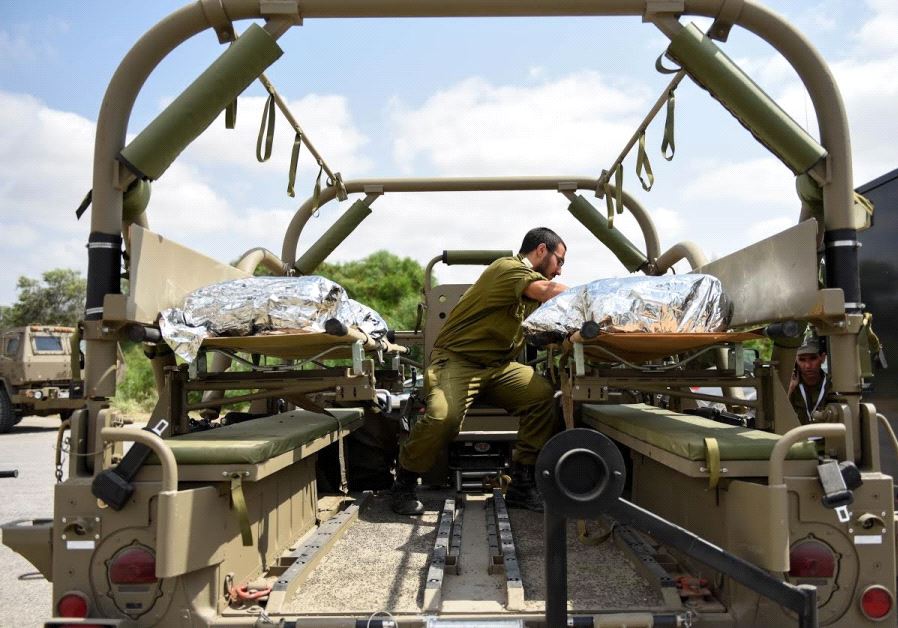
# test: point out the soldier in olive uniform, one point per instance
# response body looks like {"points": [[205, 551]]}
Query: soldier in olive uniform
{"points": [[474, 357], [810, 387]]}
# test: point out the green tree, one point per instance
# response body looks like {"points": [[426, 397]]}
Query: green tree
{"points": [[385, 282], [57, 298]]}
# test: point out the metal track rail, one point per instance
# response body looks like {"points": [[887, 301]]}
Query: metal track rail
{"points": [[642, 557], [302, 561], [433, 586], [504, 556]]}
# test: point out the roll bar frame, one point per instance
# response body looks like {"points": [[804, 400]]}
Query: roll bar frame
{"points": [[110, 179]]}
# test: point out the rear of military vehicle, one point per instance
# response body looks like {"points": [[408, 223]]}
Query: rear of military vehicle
{"points": [[183, 543], [36, 374]]}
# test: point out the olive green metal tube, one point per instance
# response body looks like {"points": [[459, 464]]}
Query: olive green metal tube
{"points": [[253, 257], [822, 90], [154, 442], [775, 474], [632, 258], [332, 238], [151, 153], [473, 258], [565, 185], [689, 251], [447, 184], [772, 126]]}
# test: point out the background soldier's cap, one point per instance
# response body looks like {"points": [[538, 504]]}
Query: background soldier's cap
{"points": [[810, 346]]}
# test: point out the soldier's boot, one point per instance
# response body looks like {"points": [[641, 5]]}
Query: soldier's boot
{"points": [[523, 492], [403, 500]]}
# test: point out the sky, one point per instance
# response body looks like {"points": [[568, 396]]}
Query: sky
{"points": [[414, 98]]}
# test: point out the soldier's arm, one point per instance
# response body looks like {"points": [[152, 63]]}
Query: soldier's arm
{"points": [[542, 290]]}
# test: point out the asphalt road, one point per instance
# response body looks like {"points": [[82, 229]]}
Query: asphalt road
{"points": [[24, 592]]}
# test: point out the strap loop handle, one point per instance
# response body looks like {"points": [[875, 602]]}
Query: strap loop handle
{"points": [[642, 162], [668, 140], [294, 162], [266, 131], [316, 193]]}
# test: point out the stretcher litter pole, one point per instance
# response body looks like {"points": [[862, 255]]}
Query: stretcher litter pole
{"points": [[662, 100], [269, 87]]}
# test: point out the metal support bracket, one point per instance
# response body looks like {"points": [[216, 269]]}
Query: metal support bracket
{"points": [[280, 9], [218, 19], [654, 7], [737, 360], [358, 354], [579, 359], [728, 15]]}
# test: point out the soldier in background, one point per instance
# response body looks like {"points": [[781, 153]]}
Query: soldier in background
{"points": [[810, 387]]}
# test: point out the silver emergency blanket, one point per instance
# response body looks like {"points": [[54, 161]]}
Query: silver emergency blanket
{"points": [[691, 303], [243, 307]]}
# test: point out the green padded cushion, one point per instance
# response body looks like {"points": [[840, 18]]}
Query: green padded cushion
{"points": [[257, 440], [684, 434]]}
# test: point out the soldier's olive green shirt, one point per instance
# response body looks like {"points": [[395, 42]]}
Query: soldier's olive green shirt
{"points": [[802, 408], [485, 324]]}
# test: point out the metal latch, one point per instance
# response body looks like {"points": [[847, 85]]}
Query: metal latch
{"points": [[836, 494]]}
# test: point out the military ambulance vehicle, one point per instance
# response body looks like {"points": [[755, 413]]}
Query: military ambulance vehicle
{"points": [[654, 516], [36, 374]]}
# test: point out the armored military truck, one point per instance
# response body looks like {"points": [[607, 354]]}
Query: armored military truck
{"points": [[36, 374], [654, 516]]}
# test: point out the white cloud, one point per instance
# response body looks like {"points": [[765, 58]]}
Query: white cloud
{"points": [[45, 170], [475, 127], [878, 34], [771, 226], [25, 44], [15, 48], [46, 159], [752, 182]]}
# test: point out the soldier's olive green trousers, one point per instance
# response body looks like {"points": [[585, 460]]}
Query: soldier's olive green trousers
{"points": [[451, 385]]}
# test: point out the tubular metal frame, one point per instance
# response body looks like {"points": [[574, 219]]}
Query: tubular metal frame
{"points": [[110, 180]]}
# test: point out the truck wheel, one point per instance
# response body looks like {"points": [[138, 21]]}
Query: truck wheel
{"points": [[7, 416]]}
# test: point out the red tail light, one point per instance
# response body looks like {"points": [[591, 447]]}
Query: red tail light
{"points": [[876, 602], [133, 565], [811, 559], [72, 604]]}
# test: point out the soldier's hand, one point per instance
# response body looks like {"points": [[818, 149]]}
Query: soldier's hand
{"points": [[793, 383]]}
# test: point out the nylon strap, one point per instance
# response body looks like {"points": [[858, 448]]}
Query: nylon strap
{"points": [[84, 204], [316, 193], [267, 125], [231, 115], [238, 502], [615, 205], [344, 485], [659, 65], [642, 161], [567, 399], [668, 140], [712, 458], [609, 206], [294, 162]]}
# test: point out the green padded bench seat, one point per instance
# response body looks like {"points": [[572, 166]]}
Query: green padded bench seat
{"points": [[259, 440], [684, 434]]}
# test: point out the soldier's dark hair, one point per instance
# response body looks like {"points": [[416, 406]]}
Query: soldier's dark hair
{"points": [[540, 235]]}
